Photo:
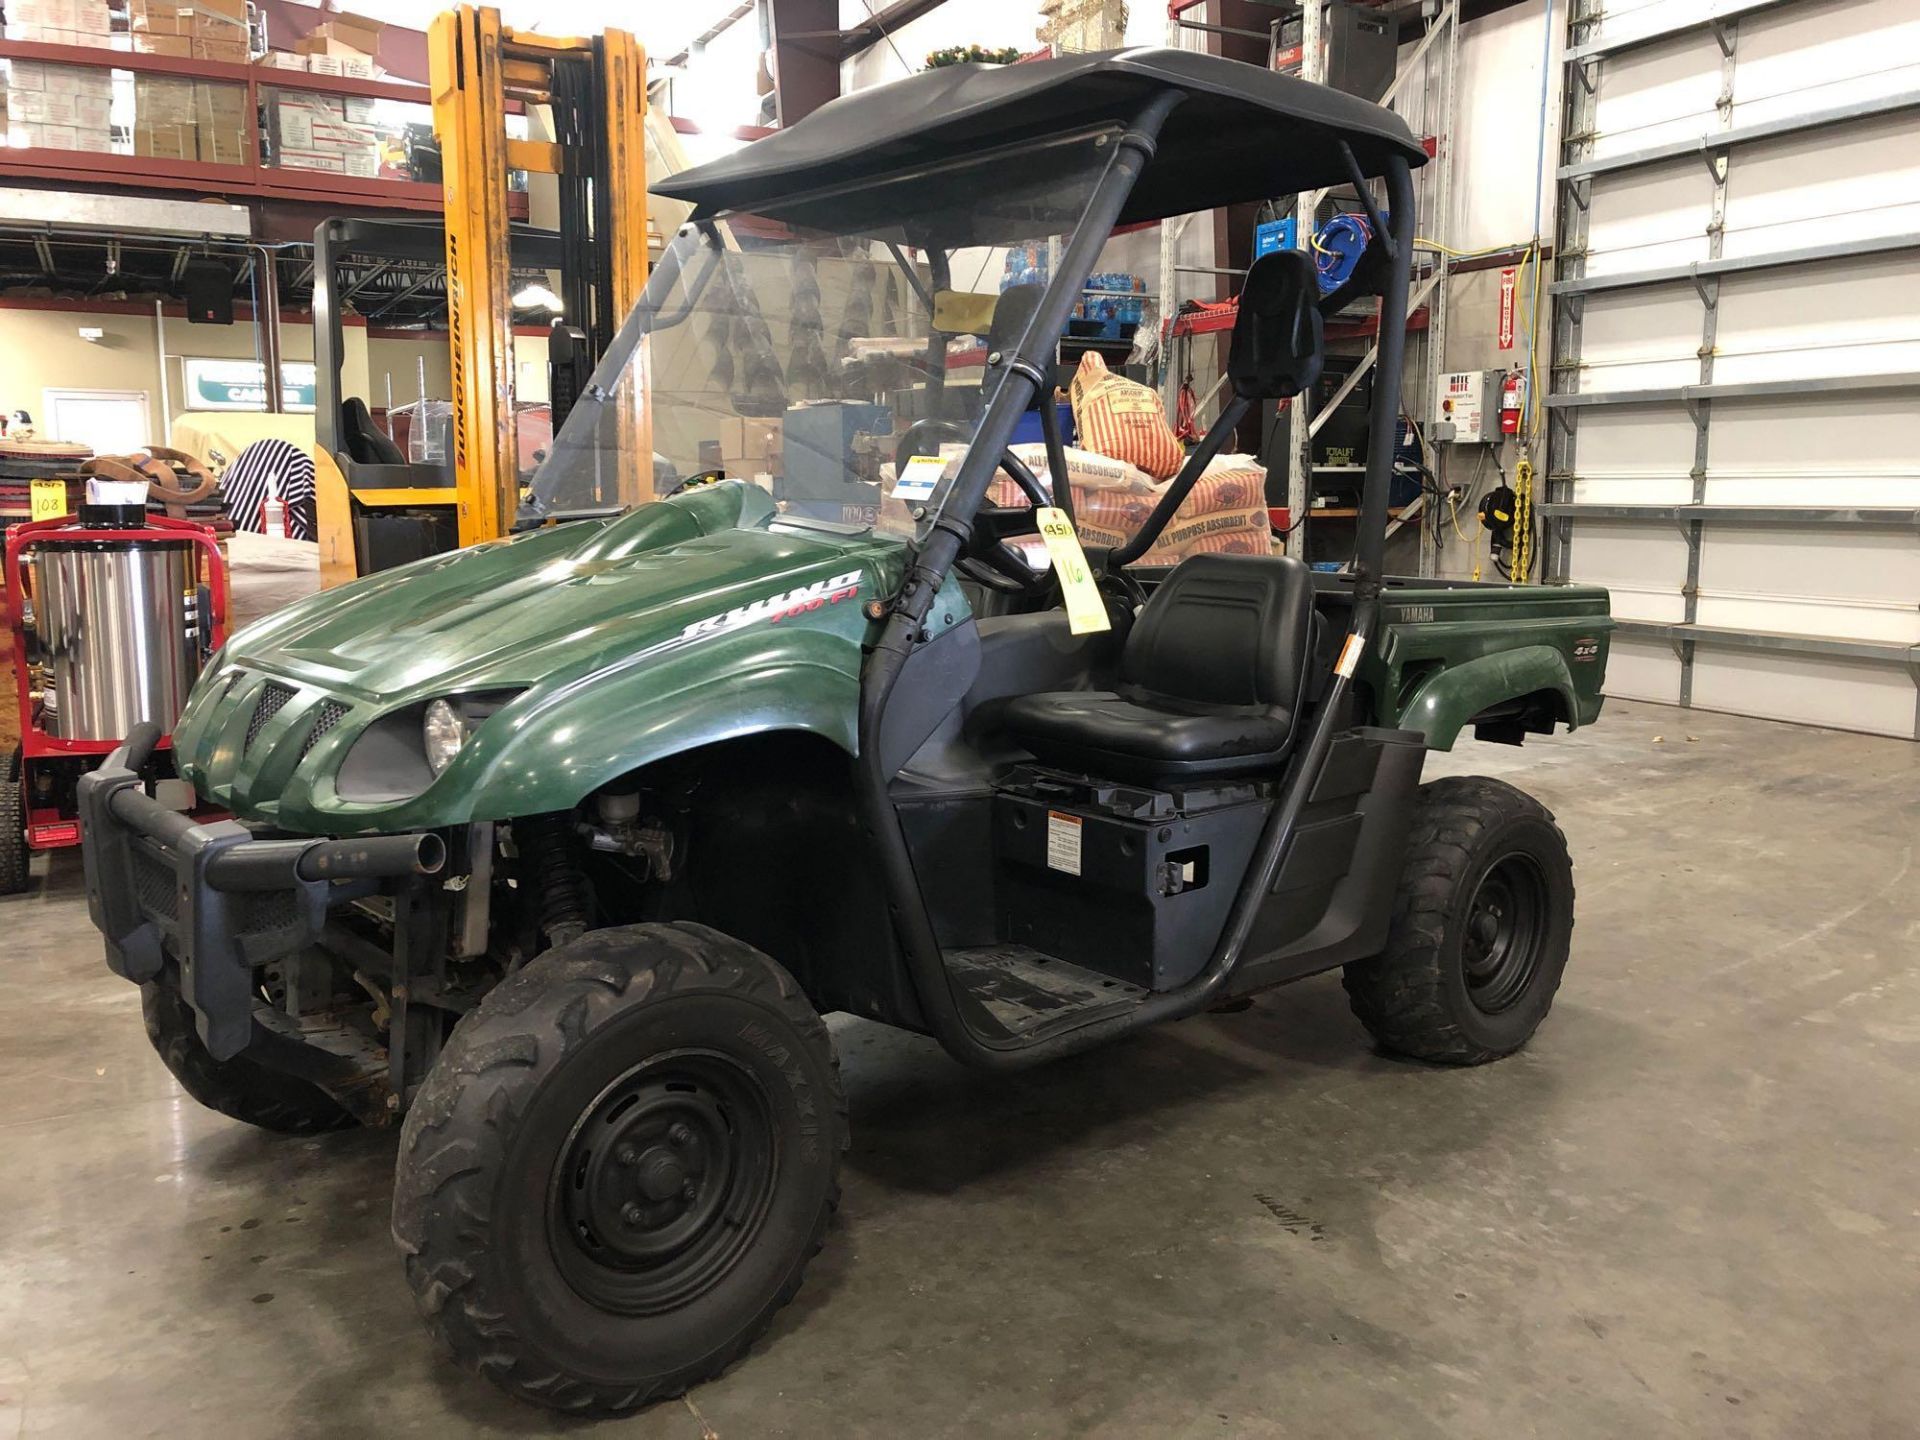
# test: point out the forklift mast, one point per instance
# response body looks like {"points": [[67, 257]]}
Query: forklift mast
{"points": [[377, 509]]}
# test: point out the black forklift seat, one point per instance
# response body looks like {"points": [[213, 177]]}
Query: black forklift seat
{"points": [[1212, 679]]}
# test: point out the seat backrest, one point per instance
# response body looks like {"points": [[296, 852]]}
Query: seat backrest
{"points": [[1279, 337], [1225, 630], [367, 442]]}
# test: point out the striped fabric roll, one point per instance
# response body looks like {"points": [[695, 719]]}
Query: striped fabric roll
{"points": [[264, 467]]}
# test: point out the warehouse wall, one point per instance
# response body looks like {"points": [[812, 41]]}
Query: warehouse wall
{"points": [[42, 349], [1503, 169], [1500, 164]]}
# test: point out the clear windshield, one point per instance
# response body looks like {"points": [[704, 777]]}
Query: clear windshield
{"points": [[797, 348]]}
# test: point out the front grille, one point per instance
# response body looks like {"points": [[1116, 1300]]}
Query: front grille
{"points": [[153, 883], [273, 699], [258, 912], [328, 714]]}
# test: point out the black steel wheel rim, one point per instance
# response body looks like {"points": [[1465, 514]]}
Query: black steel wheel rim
{"points": [[1505, 934], [663, 1183]]}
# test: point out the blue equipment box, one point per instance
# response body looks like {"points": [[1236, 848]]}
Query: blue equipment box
{"points": [[1274, 235]]}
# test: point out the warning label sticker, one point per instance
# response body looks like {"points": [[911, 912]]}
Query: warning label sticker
{"points": [[1063, 842]]}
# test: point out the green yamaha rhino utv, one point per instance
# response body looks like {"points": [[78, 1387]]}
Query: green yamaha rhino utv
{"points": [[556, 850]]}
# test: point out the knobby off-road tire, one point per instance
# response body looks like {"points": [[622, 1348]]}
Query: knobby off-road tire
{"points": [[619, 1167], [238, 1088], [14, 854], [1481, 927]]}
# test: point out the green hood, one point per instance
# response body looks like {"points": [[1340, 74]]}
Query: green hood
{"points": [[613, 643]]}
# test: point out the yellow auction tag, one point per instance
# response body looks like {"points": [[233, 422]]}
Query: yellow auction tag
{"points": [[47, 499], [959, 312], [1086, 611]]}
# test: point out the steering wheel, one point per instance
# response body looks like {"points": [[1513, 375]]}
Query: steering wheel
{"points": [[992, 524]]}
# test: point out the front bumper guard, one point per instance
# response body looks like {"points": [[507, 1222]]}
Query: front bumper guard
{"points": [[217, 898]]}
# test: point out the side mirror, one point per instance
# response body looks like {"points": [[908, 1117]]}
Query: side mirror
{"points": [[1013, 312], [1010, 320], [1278, 336]]}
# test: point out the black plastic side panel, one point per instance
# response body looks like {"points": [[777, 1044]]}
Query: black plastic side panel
{"points": [[1334, 897], [951, 840], [944, 796], [932, 683]]}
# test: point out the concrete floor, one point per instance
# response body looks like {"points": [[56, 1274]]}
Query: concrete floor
{"points": [[1690, 1208]]}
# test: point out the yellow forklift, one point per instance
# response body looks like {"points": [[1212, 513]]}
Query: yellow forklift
{"points": [[374, 507]]}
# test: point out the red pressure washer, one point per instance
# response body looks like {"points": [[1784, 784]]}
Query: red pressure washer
{"points": [[114, 613]]}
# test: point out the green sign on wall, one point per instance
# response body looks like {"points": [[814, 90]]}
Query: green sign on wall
{"points": [[242, 385]]}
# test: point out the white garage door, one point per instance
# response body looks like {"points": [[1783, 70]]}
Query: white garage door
{"points": [[1736, 398]]}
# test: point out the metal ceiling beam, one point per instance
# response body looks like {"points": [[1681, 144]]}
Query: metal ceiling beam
{"points": [[401, 296], [712, 33], [880, 24]]}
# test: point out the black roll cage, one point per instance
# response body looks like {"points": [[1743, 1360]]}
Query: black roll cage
{"points": [[1022, 376]]}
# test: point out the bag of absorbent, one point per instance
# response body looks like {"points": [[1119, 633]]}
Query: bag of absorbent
{"points": [[1123, 419]]}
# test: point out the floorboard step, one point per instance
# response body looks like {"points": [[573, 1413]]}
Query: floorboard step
{"points": [[1027, 991]]}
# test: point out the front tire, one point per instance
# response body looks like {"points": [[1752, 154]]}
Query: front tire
{"points": [[1481, 927], [619, 1167]]}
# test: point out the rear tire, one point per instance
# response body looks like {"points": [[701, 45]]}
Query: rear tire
{"points": [[14, 854], [238, 1088], [619, 1167], [1481, 927]]}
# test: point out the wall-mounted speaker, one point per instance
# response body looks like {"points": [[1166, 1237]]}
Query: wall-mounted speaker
{"points": [[208, 287]]}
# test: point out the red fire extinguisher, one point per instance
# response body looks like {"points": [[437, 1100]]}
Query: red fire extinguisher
{"points": [[1513, 400]]}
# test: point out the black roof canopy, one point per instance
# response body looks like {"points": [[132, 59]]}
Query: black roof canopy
{"points": [[1243, 133]]}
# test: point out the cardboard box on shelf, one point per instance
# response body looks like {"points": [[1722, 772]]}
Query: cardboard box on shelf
{"points": [[219, 99], [33, 135], [362, 32], [359, 108], [283, 60], [323, 65], [41, 107], [163, 100], [179, 47], [220, 116], [59, 79], [313, 160], [59, 22], [352, 59], [222, 146], [167, 142], [293, 128]]}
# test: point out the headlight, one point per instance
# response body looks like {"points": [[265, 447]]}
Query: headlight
{"points": [[445, 730]]}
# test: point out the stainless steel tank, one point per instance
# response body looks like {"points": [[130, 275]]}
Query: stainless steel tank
{"points": [[118, 626]]}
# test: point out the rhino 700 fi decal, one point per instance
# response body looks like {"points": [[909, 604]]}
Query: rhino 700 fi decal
{"points": [[776, 608]]}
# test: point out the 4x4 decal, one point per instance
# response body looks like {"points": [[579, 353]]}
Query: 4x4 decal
{"points": [[776, 608]]}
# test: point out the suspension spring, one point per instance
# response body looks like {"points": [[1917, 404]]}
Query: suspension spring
{"points": [[559, 886]]}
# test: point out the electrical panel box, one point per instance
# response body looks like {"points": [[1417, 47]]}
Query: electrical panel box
{"points": [[1469, 407], [1361, 47]]}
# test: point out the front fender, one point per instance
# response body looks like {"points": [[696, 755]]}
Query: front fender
{"points": [[1443, 705], [582, 738]]}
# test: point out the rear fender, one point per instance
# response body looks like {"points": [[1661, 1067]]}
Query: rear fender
{"points": [[1444, 704]]}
